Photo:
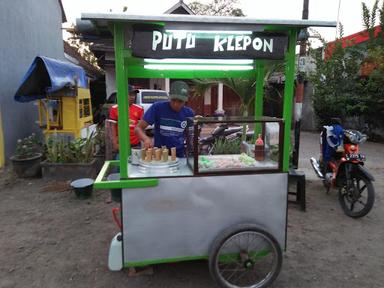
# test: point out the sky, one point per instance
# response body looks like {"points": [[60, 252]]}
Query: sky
{"points": [[324, 10]]}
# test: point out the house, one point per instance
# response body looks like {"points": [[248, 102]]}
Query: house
{"points": [[180, 8], [96, 76], [356, 39], [359, 38], [72, 55], [27, 30], [216, 99]]}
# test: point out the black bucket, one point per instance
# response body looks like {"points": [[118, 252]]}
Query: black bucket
{"points": [[83, 187], [115, 193]]}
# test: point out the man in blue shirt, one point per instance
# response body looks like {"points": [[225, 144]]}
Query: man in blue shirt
{"points": [[169, 119]]}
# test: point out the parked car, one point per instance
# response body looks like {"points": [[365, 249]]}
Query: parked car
{"points": [[145, 98]]}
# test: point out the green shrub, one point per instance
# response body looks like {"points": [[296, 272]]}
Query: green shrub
{"points": [[61, 150]]}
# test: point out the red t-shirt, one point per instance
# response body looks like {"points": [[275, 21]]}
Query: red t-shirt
{"points": [[135, 114]]}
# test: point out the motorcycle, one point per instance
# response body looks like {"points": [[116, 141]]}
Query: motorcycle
{"points": [[346, 172]]}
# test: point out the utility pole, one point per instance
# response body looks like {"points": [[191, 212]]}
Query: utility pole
{"points": [[338, 21], [299, 93]]}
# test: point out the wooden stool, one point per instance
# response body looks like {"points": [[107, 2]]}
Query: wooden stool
{"points": [[297, 177]]}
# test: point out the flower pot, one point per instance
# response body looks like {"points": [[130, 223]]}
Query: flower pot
{"points": [[69, 171], [115, 193], [27, 167], [83, 188]]}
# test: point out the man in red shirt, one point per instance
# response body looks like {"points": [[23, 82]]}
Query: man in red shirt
{"points": [[135, 114]]}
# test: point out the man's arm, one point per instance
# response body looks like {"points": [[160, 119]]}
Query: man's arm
{"points": [[115, 137], [140, 132], [113, 125]]}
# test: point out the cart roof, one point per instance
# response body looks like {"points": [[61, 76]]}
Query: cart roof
{"points": [[208, 22], [99, 26]]}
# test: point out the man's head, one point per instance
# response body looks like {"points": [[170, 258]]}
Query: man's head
{"points": [[132, 94], [178, 95]]}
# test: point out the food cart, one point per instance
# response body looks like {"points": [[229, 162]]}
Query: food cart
{"points": [[225, 207]]}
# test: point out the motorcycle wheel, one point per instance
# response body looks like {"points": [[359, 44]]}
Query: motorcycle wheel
{"points": [[357, 199]]}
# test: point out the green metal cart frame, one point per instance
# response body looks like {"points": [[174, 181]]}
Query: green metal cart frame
{"points": [[270, 208], [128, 66]]}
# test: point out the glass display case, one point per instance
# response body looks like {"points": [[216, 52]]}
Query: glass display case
{"points": [[234, 145]]}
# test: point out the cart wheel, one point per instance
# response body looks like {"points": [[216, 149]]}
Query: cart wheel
{"points": [[245, 256]]}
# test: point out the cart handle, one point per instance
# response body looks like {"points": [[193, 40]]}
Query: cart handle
{"points": [[102, 183], [115, 217]]}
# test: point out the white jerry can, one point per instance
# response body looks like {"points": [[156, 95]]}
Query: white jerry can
{"points": [[115, 257]]}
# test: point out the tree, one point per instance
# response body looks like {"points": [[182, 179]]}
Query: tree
{"points": [[340, 86], [217, 8], [372, 86], [369, 21], [335, 82], [83, 48]]}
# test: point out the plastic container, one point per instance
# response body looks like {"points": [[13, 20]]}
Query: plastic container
{"points": [[115, 256], [83, 187]]}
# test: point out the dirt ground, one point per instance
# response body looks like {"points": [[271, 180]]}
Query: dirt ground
{"points": [[49, 238]]}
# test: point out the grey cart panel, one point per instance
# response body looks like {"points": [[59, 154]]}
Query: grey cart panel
{"points": [[182, 216]]}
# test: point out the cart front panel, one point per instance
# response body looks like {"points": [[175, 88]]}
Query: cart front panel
{"points": [[181, 217]]}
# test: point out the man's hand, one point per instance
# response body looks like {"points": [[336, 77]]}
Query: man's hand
{"points": [[140, 132], [148, 143]]}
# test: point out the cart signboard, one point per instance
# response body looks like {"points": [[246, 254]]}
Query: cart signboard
{"points": [[208, 45]]}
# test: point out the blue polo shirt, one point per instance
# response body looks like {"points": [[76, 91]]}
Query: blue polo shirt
{"points": [[169, 125]]}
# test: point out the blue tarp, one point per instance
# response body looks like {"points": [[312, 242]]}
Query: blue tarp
{"points": [[46, 76]]}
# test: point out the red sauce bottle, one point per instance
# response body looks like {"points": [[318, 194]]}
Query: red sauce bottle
{"points": [[259, 149]]}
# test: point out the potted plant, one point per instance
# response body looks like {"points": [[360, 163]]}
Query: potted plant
{"points": [[69, 159], [27, 157]]}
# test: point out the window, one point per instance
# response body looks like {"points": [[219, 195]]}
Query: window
{"points": [[84, 108]]}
